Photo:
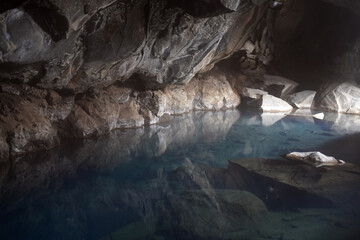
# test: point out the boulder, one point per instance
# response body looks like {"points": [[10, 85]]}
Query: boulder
{"points": [[213, 92], [252, 97], [279, 86], [340, 97], [313, 157], [28, 120], [302, 99], [197, 214], [325, 187], [274, 104], [253, 93]]}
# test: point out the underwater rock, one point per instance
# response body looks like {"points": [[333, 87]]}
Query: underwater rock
{"points": [[340, 97], [302, 99], [313, 157], [337, 185], [274, 104], [198, 215]]}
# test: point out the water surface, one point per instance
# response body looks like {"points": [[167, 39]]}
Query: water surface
{"points": [[173, 181]]}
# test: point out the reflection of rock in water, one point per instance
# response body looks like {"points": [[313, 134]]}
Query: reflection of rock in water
{"points": [[30, 172], [142, 183], [343, 123]]}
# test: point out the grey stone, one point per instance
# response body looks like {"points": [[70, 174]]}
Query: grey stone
{"points": [[302, 99], [340, 97], [286, 85], [274, 104], [313, 157]]}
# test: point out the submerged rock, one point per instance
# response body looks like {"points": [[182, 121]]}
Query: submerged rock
{"points": [[219, 217], [314, 157], [274, 104], [329, 185], [341, 97], [302, 99]]}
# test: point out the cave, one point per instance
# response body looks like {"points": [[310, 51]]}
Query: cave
{"points": [[179, 119]]}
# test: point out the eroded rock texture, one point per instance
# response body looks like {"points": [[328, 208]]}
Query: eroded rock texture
{"points": [[82, 69], [36, 119], [50, 45]]}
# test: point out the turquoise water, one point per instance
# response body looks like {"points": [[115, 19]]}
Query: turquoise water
{"points": [[174, 181]]}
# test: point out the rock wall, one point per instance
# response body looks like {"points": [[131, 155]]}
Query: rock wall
{"points": [[47, 44], [81, 69], [35, 119]]}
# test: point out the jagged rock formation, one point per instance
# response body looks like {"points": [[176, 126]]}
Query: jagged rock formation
{"points": [[341, 97], [85, 70], [37, 119], [273, 104], [303, 99], [49, 45]]}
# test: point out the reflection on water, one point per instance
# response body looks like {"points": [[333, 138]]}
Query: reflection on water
{"points": [[173, 182]]}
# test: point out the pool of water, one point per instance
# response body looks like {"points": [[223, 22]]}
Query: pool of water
{"points": [[174, 181]]}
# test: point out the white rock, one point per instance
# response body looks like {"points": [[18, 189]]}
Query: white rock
{"points": [[288, 85], [253, 93], [248, 47], [314, 157], [274, 104], [341, 97], [319, 116], [302, 99]]}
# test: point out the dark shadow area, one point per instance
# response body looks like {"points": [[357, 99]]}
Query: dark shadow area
{"points": [[48, 17], [7, 5], [200, 8], [22, 73], [316, 42]]}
